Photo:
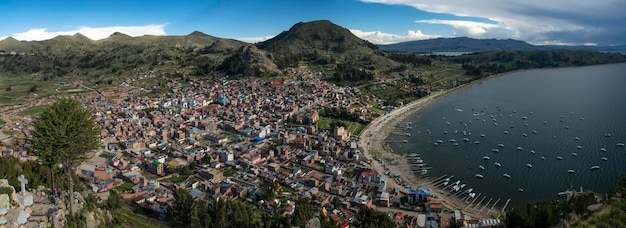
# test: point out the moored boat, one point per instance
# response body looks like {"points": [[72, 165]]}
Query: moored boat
{"points": [[497, 164], [506, 175], [571, 171], [595, 167], [479, 176]]}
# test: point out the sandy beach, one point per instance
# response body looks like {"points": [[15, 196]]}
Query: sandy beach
{"points": [[372, 142]]}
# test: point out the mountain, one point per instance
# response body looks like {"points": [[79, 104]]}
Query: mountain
{"points": [[10, 44], [322, 43], [465, 44], [460, 44]]}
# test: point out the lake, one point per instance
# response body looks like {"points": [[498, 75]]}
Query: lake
{"points": [[575, 113]]}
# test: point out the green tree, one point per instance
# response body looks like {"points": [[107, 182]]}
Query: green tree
{"points": [[113, 202], [182, 207], [64, 134]]}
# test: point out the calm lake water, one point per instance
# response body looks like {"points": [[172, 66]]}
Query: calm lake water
{"points": [[561, 111]]}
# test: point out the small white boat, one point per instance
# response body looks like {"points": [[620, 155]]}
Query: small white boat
{"points": [[506, 175], [506, 132], [476, 142], [482, 135], [545, 122], [524, 117], [520, 189], [452, 140], [495, 124], [582, 118], [479, 176], [525, 135], [566, 127], [497, 164], [531, 113], [424, 172], [519, 148], [436, 144], [500, 145], [574, 154], [543, 158], [620, 144], [529, 165], [472, 195], [559, 158], [445, 183], [571, 171], [595, 167], [486, 157], [469, 190], [562, 117], [576, 138], [532, 151], [495, 150], [457, 182], [602, 149], [465, 139], [481, 167], [604, 159], [526, 125], [579, 147], [455, 144], [445, 132], [571, 113], [534, 132], [607, 135]]}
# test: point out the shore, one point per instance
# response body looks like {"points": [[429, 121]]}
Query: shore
{"points": [[372, 142]]}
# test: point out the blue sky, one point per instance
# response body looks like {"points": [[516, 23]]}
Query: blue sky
{"points": [[379, 21]]}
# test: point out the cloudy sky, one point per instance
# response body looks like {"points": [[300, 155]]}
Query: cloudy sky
{"points": [[574, 22]]}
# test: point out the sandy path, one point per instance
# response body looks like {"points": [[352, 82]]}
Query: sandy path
{"points": [[372, 142]]}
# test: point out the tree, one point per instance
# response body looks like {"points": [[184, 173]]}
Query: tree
{"points": [[64, 134], [182, 207]]}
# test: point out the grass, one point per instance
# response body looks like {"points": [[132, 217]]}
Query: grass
{"points": [[135, 217], [2, 122], [7, 132], [175, 179], [125, 187], [32, 111], [324, 123]]}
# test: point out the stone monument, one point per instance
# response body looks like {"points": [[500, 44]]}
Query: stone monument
{"points": [[25, 198]]}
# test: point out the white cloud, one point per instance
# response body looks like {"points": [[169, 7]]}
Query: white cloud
{"points": [[379, 37], [536, 20], [465, 28], [3, 37], [94, 33], [254, 39]]}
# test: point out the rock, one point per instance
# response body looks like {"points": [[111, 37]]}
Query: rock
{"points": [[5, 204], [3, 220], [22, 217]]}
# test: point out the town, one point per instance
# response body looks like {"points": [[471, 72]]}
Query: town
{"points": [[237, 139]]}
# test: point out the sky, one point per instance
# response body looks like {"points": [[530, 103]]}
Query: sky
{"points": [[564, 22]]}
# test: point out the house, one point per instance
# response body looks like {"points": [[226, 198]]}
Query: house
{"points": [[211, 174], [369, 176]]}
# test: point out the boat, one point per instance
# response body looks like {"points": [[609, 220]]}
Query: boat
{"points": [[574, 154], [525, 135], [576, 138], [436, 144], [531, 113], [602, 149], [571, 171], [620, 144], [457, 182], [497, 164], [543, 158], [462, 186], [534, 132], [506, 175], [506, 132], [455, 144], [526, 124], [604, 159], [532, 151], [529, 165], [495, 150], [445, 132], [448, 123], [439, 141], [472, 195], [481, 167], [571, 113], [579, 147], [445, 183], [447, 179], [482, 135], [559, 158], [476, 142], [524, 117], [545, 122], [424, 172], [465, 139], [500, 145], [520, 189], [495, 124], [566, 127], [479, 176], [607, 135], [470, 190], [452, 140], [486, 157], [595, 167], [519, 148], [582, 118]]}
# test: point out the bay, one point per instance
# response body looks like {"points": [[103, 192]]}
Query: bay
{"points": [[549, 113]]}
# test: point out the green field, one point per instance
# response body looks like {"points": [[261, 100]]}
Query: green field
{"points": [[32, 111], [353, 127], [2, 122], [125, 187], [175, 179]]}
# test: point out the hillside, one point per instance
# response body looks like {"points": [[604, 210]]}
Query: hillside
{"points": [[322, 43], [460, 44]]}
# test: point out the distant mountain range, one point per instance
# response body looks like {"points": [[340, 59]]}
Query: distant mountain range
{"points": [[320, 44], [465, 44]]}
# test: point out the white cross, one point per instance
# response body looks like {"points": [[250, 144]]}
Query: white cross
{"points": [[23, 183]]}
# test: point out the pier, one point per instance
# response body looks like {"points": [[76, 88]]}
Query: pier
{"points": [[397, 141]]}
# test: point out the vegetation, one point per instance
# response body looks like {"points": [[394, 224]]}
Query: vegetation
{"points": [[32, 111], [64, 134]]}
